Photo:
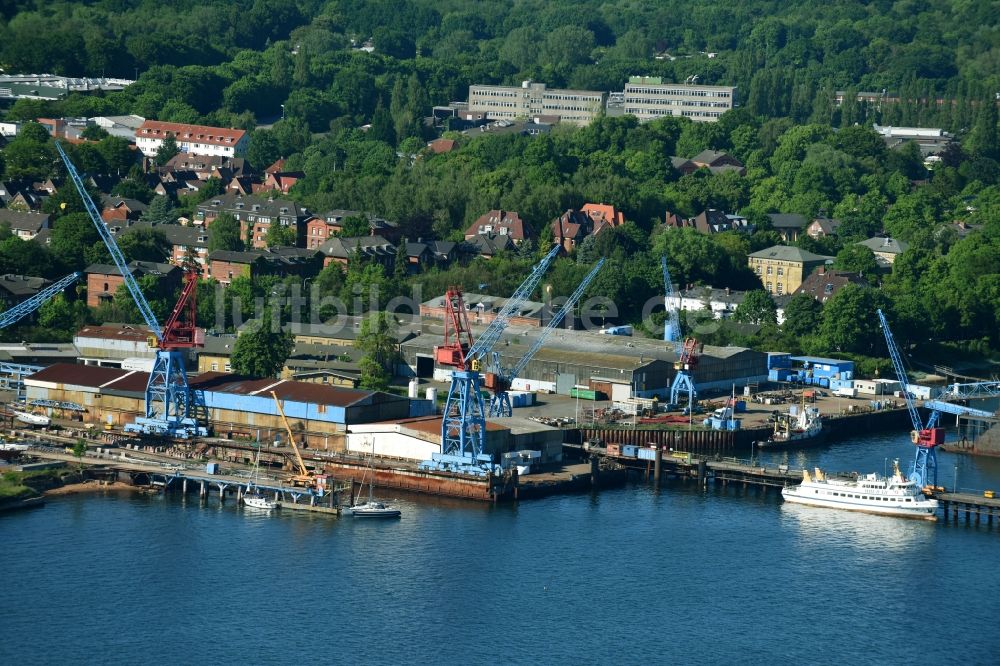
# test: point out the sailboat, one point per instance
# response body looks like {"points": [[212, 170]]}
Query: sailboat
{"points": [[253, 498], [371, 508]]}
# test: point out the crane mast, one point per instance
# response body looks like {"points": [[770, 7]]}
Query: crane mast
{"points": [[500, 382], [168, 400]]}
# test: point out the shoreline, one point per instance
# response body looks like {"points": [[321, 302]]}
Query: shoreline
{"points": [[90, 487]]}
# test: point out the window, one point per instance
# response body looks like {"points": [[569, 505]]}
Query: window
{"points": [[769, 270], [215, 366], [105, 286], [321, 408], [770, 287], [780, 289], [781, 271], [229, 368]]}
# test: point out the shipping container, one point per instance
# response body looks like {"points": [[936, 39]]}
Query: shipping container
{"points": [[630, 451], [646, 453], [212, 468], [586, 394], [614, 450]]}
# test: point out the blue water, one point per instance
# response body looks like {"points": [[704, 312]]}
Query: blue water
{"points": [[623, 576]]}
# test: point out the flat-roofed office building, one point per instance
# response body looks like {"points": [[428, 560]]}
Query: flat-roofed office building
{"points": [[532, 99], [648, 97]]}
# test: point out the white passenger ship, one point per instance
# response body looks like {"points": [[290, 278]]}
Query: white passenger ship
{"points": [[895, 496]]}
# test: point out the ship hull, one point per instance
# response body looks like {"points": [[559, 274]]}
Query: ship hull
{"points": [[928, 510]]}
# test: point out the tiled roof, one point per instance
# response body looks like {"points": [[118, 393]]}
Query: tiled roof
{"points": [[217, 136], [787, 220], [114, 379], [234, 202], [22, 285], [23, 221], [343, 248], [788, 253], [887, 245], [496, 220]]}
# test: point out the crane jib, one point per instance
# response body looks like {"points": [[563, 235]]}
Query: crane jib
{"points": [[113, 249]]}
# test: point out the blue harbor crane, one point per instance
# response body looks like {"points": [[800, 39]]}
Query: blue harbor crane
{"points": [[926, 438], [686, 349], [463, 425], [168, 399], [501, 381]]}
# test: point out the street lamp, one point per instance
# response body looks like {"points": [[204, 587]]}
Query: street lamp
{"points": [[956, 479], [282, 111]]}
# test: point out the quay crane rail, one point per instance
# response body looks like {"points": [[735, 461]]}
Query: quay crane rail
{"points": [[463, 425], [501, 381], [303, 476], [168, 398], [686, 349]]}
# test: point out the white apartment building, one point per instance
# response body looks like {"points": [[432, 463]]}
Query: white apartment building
{"points": [[533, 99], [648, 97], [194, 139]]}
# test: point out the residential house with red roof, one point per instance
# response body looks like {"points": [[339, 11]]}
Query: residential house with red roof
{"points": [[572, 227], [195, 139], [501, 223]]}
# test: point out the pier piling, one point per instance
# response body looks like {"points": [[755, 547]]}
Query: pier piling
{"points": [[657, 467]]}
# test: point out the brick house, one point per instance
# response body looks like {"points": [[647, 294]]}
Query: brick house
{"points": [[103, 280], [710, 221], [321, 227], [489, 245], [572, 227], [824, 284], [500, 222], [187, 243], [226, 265], [255, 215], [343, 250], [119, 209]]}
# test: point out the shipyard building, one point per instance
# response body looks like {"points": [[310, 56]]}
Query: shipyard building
{"points": [[621, 367]]}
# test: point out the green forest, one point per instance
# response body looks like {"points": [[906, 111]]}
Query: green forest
{"points": [[353, 122]]}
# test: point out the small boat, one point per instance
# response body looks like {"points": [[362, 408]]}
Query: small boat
{"points": [[31, 418], [371, 508], [801, 425], [11, 450], [892, 496], [253, 498]]}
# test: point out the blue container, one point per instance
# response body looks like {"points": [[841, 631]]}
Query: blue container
{"points": [[212, 468], [646, 453], [741, 406], [629, 451]]}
